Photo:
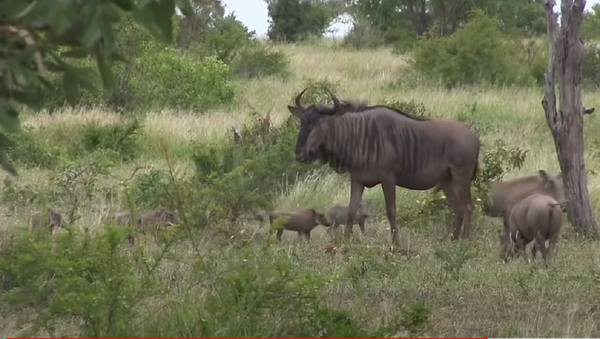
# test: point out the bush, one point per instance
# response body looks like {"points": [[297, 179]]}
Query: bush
{"points": [[231, 42], [295, 20], [169, 78], [476, 53]]}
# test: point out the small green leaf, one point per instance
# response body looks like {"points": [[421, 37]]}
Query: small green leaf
{"points": [[185, 7], [9, 119], [163, 16], [26, 10], [76, 52], [144, 16], [5, 143], [92, 31], [71, 88], [126, 5], [108, 78]]}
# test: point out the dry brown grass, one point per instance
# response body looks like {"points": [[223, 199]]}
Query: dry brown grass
{"points": [[489, 298]]}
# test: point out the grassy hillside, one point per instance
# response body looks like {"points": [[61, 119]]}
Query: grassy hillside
{"points": [[460, 289]]}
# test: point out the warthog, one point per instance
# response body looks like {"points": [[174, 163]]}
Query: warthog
{"points": [[338, 215], [535, 217], [507, 192], [146, 221], [382, 145], [49, 218], [302, 221]]}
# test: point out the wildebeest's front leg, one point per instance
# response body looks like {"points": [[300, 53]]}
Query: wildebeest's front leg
{"points": [[279, 234], [356, 192], [389, 192]]}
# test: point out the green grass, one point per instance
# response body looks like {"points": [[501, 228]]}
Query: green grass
{"points": [[484, 298]]}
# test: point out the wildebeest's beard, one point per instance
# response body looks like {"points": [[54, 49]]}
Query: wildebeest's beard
{"points": [[309, 142]]}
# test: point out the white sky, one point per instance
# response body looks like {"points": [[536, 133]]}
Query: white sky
{"points": [[253, 13]]}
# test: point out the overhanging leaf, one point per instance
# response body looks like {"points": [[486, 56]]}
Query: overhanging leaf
{"points": [[76, 52], [108, 78], [5, 142], [9, 118], [71, 88], [92, 31], [126, 5]]}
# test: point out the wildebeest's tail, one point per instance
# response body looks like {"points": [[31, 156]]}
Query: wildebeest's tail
{"points": [[478, 166]]}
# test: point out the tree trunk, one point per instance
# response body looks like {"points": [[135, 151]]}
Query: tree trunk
{"points": [[566, 54]]}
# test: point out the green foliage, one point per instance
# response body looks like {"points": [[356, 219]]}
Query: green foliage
{"points": [[294, 20], [169, 78], [590, 26], [477, 53], [84, 29], [52, 149], [591, 66], [317, 91]]}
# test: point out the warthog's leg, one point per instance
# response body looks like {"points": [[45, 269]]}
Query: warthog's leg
{"points": [[361, 224], [356, 192], [307, 235], [541, 243]]}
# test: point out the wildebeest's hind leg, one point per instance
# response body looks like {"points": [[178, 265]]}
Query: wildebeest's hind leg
{"points": [[356, 192], [449, 189], [361, 224], [389, 192]]}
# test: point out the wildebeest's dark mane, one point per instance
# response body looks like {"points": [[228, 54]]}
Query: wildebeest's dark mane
{"points": [[358, 107]]}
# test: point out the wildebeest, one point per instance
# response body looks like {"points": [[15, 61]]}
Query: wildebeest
{"points": [[338, 215], [536, 217], [511, 191], [49, 218], [302, 221], [145, 222], [382, 145]]}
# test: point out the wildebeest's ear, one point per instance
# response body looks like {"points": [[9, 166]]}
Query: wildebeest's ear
{"points": [[543, 174], [588, 110], [296, 111]]}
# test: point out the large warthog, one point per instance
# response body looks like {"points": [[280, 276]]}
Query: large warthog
{"points": [[382, 145], [338, 215], [145, 222], [508, 192], [302, 221], [49, 218], [536, 217]]}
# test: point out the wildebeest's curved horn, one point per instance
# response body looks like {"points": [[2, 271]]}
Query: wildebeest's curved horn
{"points": [[336, 101], [298, 97]]}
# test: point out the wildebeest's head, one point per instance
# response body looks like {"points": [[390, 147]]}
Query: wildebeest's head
{"points": [[310, 138]]}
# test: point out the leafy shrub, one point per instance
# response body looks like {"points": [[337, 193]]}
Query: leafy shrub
{"points": [[476, 53], [123, 138], [591, 65], [29, 149], [295, 20], [317, 91], [169, 78], [256, 61]]}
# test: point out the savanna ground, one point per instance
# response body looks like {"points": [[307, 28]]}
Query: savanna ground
{"points": [[247, 284]]}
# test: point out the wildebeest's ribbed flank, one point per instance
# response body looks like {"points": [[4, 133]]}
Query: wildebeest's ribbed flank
{"points": [[381, 145]]}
